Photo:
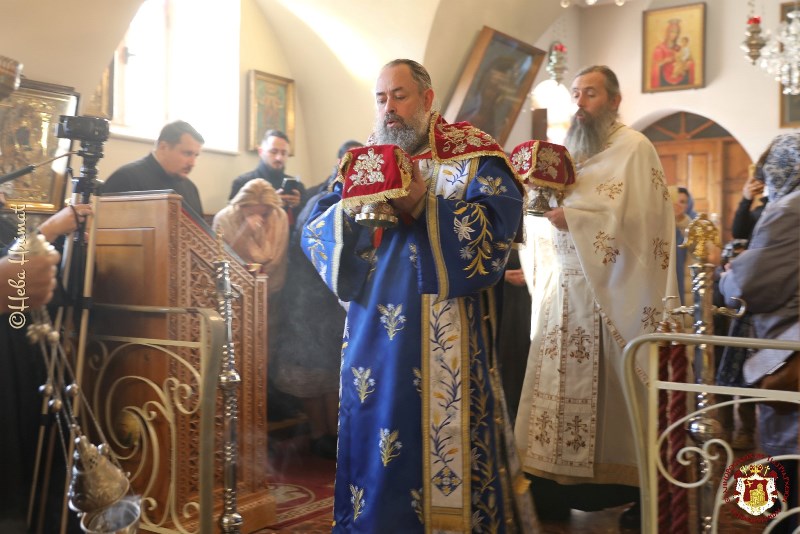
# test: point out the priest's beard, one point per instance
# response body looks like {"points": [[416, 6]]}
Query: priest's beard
{"points": [[411, 135], [588, 137]]}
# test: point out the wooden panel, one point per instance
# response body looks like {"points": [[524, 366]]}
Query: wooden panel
{"points": [[698, 181], [149, 252], [696, 165], [672, 167], [736, 162]]}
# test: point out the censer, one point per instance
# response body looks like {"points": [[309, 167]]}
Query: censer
{"points": [[547, 169], [98, 487], [373, 175]]}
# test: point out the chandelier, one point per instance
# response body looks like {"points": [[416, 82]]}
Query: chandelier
{"points": [[778, 56], [566, 3]]}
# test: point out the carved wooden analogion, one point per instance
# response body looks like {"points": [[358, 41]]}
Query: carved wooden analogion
{"points": [[151, 252]]}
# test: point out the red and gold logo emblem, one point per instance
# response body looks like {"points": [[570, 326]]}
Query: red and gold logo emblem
{"points": [[755, 488], [758, 483]]}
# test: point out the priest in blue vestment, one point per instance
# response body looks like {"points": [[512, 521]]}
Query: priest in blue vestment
{"points": [[424, 438]]}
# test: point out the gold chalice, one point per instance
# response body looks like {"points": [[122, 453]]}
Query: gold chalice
{"points": [[377, 215]]}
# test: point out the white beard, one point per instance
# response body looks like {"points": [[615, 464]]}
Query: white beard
{"points": [[411, 136]]}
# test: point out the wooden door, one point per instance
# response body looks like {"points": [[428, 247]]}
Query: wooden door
{"points": [[695, 165], [699, 154], [713, 170]]}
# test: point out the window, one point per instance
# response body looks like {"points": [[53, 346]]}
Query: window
{"points": [[180, 60]]}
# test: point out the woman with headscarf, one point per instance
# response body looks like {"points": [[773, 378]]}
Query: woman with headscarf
{"points": [[257, 229], [683, 207], [767, 277]]}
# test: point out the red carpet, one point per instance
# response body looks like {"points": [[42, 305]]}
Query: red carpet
{"points": [[302, 485]]}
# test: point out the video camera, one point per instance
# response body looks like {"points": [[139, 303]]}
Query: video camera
{"points": [[83, 128], [92, 132]]}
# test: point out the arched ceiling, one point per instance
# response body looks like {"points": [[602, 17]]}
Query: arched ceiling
{"points": [[335, 49]]}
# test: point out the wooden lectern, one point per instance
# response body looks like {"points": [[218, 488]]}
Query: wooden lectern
{"points": [[150, 251]]}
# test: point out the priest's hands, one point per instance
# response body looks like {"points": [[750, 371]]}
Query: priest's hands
{"points": [[414, 202], [557, 219]]}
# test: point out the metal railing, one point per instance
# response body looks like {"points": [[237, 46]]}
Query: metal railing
{"points": [[173, 398], [649, 439]]}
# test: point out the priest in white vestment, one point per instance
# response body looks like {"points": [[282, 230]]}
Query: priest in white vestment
{"points": [[600, 266]]}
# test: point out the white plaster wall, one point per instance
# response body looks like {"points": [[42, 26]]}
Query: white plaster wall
{"points": [[738, 96]]}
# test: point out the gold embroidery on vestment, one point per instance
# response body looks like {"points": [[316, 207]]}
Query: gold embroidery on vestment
{"points": [[479, 249], [316, 250], [357, 500], [658, 181], [457, 139], [577, 427], [364, 383], [491, 186], [601, 244], [579, 339], [611, 188], [392, 319], [545, 423], [649, 318], [660, 251], [389, 445], [416, 503]]}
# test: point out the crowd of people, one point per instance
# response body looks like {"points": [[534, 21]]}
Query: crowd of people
{"points": [[408, 346]]}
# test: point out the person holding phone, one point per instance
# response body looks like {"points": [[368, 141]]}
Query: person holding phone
{"points": [[274, 151]]}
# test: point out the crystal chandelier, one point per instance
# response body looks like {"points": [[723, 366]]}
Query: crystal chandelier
{"points": [[778, 56]]}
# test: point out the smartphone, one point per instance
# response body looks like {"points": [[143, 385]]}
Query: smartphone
{"points": [[290, 184]]}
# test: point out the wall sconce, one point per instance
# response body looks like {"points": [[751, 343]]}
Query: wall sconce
{"points": [[553, 95]]}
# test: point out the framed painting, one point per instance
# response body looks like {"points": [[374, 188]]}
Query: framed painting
{"points": [[790, 104], [673, 48], [271, 105], [495, 83], [28, 122]]}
